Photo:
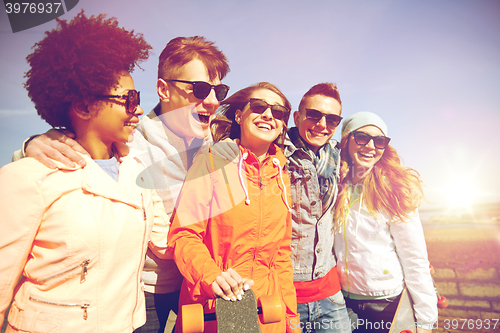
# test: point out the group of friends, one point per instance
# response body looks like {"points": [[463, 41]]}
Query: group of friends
{"points": [[113, 221]]}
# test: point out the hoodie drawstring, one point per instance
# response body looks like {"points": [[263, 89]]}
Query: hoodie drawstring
{"points": [[240, 166], [277, 163]]}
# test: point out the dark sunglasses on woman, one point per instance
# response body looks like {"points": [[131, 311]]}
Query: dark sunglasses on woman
{"points": [[202, 89], [314, 116], [132, 100], [260, 106], [362, 139]]}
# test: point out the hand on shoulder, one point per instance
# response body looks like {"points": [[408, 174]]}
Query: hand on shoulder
{"points": [[56, 145], [227, 149]]}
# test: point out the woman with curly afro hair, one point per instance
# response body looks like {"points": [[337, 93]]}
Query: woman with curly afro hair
{"points": [[74, 239]]}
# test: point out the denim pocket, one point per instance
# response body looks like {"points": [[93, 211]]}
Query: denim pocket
{"points": [[337, 299]]}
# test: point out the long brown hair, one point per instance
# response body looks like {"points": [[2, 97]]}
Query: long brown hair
{"points": [[389, 187], [224, 126]]}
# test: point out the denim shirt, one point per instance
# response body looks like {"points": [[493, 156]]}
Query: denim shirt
{"points": [[312, 231]]}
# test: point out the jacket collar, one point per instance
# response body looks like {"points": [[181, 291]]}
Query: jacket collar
{"points": [[261, 173], [159, 118], [273, 152], [96, 181], [291, 147]]}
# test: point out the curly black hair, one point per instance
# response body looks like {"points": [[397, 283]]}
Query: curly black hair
{"points": [[79, 60]]}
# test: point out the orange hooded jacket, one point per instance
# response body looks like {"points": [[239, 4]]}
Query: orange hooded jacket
{"points": [[236, 216]]}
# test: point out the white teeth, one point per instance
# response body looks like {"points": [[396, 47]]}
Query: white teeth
{"points": [[264, 126], [367, 155], [317, 133], [203, 117]]}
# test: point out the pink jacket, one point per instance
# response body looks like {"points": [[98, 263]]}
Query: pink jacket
{"points": [[78, 240]]}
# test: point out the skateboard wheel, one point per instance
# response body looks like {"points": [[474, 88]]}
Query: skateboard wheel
{"points": [[431, 268], [192, 318], [442, 303], [271, 309]]}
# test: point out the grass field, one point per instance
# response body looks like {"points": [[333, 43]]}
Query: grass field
{"points": [[464, 247]]}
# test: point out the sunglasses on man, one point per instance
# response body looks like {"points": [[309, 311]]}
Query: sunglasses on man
{"points": [[132, 100], [362, 139], [314, 116], [260, 106], [202, 89]]}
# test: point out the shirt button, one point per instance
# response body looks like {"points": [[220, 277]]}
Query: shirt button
{"points": [[318, 251]]}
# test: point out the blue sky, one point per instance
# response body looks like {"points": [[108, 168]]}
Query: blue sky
{"points": [[430, 69]]}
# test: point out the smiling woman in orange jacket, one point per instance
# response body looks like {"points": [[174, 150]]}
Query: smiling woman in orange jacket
{"points": [[232, 226]]}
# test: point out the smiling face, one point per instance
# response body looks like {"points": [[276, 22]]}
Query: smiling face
{"points": [[184, 114], [258, 131], [316, 134], [104, 122], [364, 157], [112, 122]]}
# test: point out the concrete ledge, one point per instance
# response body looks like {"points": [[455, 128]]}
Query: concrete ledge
{"points": [[458, 314], [477, 274], [444, 273], [447, 288], [496, 306], [491, 315], [469, 303], [479, 289]]}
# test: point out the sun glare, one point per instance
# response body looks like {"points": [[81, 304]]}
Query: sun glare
{"points": [[461, 194]]}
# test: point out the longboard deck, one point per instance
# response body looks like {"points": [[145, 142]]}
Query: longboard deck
{"points": [[404, 318], [240, 316]]}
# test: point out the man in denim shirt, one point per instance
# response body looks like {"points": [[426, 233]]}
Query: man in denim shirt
{"points": [[313, 163]]}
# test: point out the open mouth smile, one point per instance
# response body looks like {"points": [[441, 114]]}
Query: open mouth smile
{"points": [[131, 125], [315, 133], [264, 126], [366, 155], [203, 117]]}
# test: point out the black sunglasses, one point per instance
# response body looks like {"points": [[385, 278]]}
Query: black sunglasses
{"points": [[260, 106], [202, 89], [362, 139], [132, 100], [314, 116]]}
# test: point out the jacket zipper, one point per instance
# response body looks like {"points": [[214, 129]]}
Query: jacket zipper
{"points": [[84, 306], [143, 254], [260, 219], [350, 204], [84, 266], [345, 253]]}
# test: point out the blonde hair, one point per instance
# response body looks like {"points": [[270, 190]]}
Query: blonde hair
{"points": [[389, 187]]}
